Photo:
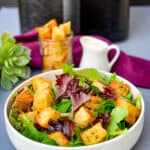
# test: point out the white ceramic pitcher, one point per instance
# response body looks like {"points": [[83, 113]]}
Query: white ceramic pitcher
{"points": [[95, 53]]}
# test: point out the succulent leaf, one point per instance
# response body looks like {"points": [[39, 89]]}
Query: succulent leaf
{"points": [[13, 62]]}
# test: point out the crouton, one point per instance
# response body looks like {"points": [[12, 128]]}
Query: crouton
{"points": [[133, 111], [93, 103], [94, 135], [42, 100], [32, 116], [66, 27], [25, 96], [59, 138], [51, 24], [96, 99], [99, 85], [83, 117], [46, 115], [44, 32], [120, 88], [20, 107], [58, 34], [41, 84]]}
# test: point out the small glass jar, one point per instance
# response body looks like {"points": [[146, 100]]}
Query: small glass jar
{"points": [[56, 53]]}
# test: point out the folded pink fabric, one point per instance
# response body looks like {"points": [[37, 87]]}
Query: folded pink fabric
{"points": [[134, 69]]}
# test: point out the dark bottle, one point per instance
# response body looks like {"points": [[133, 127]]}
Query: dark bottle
{"points": [[109, 18], [37, 12], [71, 11]]}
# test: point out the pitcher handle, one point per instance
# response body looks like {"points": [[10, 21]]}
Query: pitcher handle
{"points": [[116, 56]]}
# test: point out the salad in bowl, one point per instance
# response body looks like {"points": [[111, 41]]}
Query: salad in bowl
{"points": [[73, 108]]}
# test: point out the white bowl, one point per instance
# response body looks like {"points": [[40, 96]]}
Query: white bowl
{"points": [[123, 142]]}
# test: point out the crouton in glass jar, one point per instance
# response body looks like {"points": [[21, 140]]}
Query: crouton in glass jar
{"points": [[55, 44]]}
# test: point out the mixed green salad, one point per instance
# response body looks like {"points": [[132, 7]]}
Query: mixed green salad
{"points": [[81, 107]]}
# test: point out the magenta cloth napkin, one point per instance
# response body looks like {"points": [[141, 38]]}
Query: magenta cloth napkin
{"points": [[134, 69]]}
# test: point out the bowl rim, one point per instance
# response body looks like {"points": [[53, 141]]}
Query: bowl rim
{"points": [[7, 122]]}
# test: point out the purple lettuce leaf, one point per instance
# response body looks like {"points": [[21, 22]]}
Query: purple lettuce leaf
{"points": [[68, 87]]}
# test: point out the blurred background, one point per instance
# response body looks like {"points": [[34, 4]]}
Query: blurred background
{"points": [[26, 14]]}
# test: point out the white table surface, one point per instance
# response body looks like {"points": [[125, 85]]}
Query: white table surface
{"points": [[138, 44]]}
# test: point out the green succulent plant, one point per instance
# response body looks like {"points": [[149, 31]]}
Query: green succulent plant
{"points": [[13, 61]]}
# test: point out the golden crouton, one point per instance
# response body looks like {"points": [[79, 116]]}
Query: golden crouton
{"points": [[83, 117], [59, 138], [42, 99], [96, 99], [46, 115], [58, 34], [99, 85], [20, 107], [25, 96], [120, 88], [32, 116], [94, 135], [133, 111], [66, 27], [41, 84], [93, 103]]}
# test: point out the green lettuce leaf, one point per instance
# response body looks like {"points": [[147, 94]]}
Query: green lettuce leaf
{"points": [[68, 69], [54, 91], [106, 106], [118, 114], [30, 87], [138, 102], [13, 118], [113, 77], [90, 74], [116, 133], [129, 97], [31, 132], [64, 106], [76, 139]]}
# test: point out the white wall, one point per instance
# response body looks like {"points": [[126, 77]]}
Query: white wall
{"points": [[9, 20]]}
